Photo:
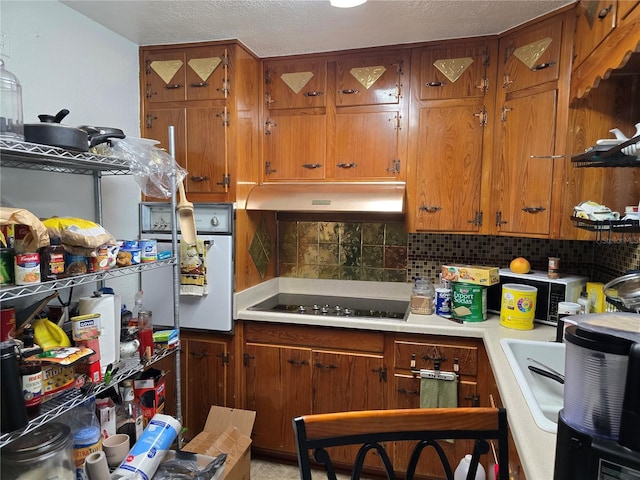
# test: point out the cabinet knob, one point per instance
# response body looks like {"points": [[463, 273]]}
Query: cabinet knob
{"points": [[602, 14]]}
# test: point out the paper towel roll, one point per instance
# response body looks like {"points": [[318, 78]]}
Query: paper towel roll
{"points": [[105, 305], [96, 466]]}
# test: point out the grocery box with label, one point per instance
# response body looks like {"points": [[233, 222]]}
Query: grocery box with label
{"points": [[476, 274], [149, 391]]}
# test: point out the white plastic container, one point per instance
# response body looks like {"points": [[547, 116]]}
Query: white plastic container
{"points": [[463, 469]]}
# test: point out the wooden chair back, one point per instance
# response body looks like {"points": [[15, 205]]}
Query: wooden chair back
{"points": [[372, 428]]}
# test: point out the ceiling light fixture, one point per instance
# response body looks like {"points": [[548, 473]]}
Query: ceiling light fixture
{"points": [[346, 3]]}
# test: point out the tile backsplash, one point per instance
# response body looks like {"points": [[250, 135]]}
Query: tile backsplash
{"points": [[385, 252]]}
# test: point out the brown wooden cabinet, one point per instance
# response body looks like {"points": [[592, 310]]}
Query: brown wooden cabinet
{"points": [[410, 354], [290, 370], [178, 74], [595, 19], [207, 362], [530, 126], [206, 91], [450, 137], [337, 117]]}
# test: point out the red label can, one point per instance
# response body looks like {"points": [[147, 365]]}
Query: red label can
{"points": [[7, 323], [27, 269]]}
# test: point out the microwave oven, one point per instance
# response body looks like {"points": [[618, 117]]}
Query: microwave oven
{"points": [[551, 291]]}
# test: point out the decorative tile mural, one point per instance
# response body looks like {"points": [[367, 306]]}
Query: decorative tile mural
{"points": [[385, 252], [343, 250]]}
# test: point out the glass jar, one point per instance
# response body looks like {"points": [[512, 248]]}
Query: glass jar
{"points": [[46, 452], [11, 123], [422, 297]]}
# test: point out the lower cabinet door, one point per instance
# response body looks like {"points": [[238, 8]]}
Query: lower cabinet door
{"points": [[343, 382], [206, 382], [278, 386], [407, 395]]}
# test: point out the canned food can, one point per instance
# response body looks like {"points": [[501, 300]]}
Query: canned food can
{"points": [[27, 268], [100, 261], [128, 257], [443, 302], [7, 323], [148, 250], [129, 244], [75, 264], [7, 266], [469, 302]]}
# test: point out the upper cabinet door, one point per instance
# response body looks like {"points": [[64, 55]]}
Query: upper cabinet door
{"points": [[455, 72], [198, 73], [531, 58], [369, 80], [595, 20], [295, 84]]}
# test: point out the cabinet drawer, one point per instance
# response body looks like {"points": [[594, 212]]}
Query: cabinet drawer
{"points": [[426, 354], [293, 335]]}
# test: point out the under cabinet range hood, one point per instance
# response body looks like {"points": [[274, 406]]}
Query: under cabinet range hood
{"points": [[324, 197]]}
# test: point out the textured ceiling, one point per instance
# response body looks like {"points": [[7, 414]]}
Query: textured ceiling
{"points": [[287, 27]]}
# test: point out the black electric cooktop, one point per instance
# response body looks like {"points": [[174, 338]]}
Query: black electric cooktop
{"points": [[334, 306]]}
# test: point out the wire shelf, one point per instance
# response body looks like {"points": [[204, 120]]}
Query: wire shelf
{"points": [[32, 156], [74, 397], [19, 291], [607, 156]]}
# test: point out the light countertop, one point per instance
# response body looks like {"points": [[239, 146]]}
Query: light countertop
{"points": [[535, 446]]}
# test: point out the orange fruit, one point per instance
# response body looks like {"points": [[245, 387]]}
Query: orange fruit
{"points": [[520, 265]]}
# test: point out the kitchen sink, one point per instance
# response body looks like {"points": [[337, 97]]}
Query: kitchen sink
{"points": [[544, 396]]}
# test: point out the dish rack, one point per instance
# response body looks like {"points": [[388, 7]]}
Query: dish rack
{"points": [[609, 156], [629, 230]]}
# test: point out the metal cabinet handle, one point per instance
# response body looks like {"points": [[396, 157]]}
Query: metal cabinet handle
{"points": [[198, 179], [200, 354], [199, 84], [311, 166], [542, 66], [173, 86], [435, 84], [533, 209], [349, 91], [313, 94], [322, 365], [429, 208], [402, 391], [604, 12], [346, 165], [298, 362]]}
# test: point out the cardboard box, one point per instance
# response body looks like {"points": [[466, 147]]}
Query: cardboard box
{"points": [[150, 393], [228, 430], [476, 274]]}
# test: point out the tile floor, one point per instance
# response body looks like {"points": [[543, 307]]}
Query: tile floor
{"points": [[267, 470]]}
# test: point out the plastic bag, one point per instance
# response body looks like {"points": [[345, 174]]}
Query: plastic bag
{"points": [[186, 467], [152, 168]]}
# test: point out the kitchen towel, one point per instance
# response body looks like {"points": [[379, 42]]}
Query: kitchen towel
{"points": [[437, 393], [109, 338], [193, 269], [429, 388]]}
